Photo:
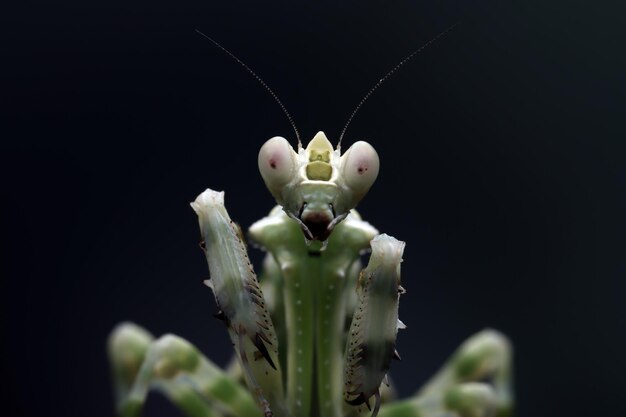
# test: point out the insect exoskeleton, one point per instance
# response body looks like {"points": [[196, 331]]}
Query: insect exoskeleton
{"points": [[238, 296], [317, 186], [372, 336], [233, 281]]}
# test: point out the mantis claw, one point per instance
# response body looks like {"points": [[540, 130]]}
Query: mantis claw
{"points": [[220, 316], [258, 342]]}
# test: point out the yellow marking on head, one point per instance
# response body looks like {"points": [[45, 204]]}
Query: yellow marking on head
{"points": [[319, 149], [318, 170], [319, 152], [315, 155]]}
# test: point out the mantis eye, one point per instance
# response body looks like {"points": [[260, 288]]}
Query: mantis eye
{"points": [[277, 164], [359, 166]]}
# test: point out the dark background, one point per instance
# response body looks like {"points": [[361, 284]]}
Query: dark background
{"points": [[503, 166]]}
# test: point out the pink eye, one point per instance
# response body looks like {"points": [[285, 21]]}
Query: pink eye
{"points": [[360, 166], [277, 162]]}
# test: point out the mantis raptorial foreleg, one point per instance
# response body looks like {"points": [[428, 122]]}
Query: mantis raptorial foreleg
{"points": [[241, 302], [372, 335], [271, 283]]}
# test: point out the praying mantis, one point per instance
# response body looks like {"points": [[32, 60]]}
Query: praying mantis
{"points": [[316, 334]]}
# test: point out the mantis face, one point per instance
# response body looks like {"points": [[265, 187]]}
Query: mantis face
{"points": [[317, 186]]}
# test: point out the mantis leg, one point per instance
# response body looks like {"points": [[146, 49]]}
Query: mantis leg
{"points": [[458, 386], [472, 399], [177, 369], [371, 342], [486, 356], [241, 301], [271, 282]]}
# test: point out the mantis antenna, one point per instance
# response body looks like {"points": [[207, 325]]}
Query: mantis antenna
{"points": [[383, 79], [260, 80]]}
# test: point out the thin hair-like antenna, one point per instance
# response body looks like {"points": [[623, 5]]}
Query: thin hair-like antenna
{"points": [[382, 80], [269, 90]]}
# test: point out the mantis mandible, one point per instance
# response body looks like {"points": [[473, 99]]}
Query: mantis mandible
{"points": [[315, 336]]}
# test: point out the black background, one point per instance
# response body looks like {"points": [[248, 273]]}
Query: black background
{"points": [[503, 166]]}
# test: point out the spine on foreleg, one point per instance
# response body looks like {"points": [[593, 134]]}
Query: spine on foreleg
{"points": [[239, 298], [373, 330]]}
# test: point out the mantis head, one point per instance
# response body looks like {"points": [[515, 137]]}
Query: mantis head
{"points": [[317, 186]]}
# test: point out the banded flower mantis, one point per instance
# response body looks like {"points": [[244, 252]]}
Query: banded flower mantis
{"points": [[316, 335]]}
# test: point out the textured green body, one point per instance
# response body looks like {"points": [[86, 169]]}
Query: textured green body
{"points": [[315, 284]]}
